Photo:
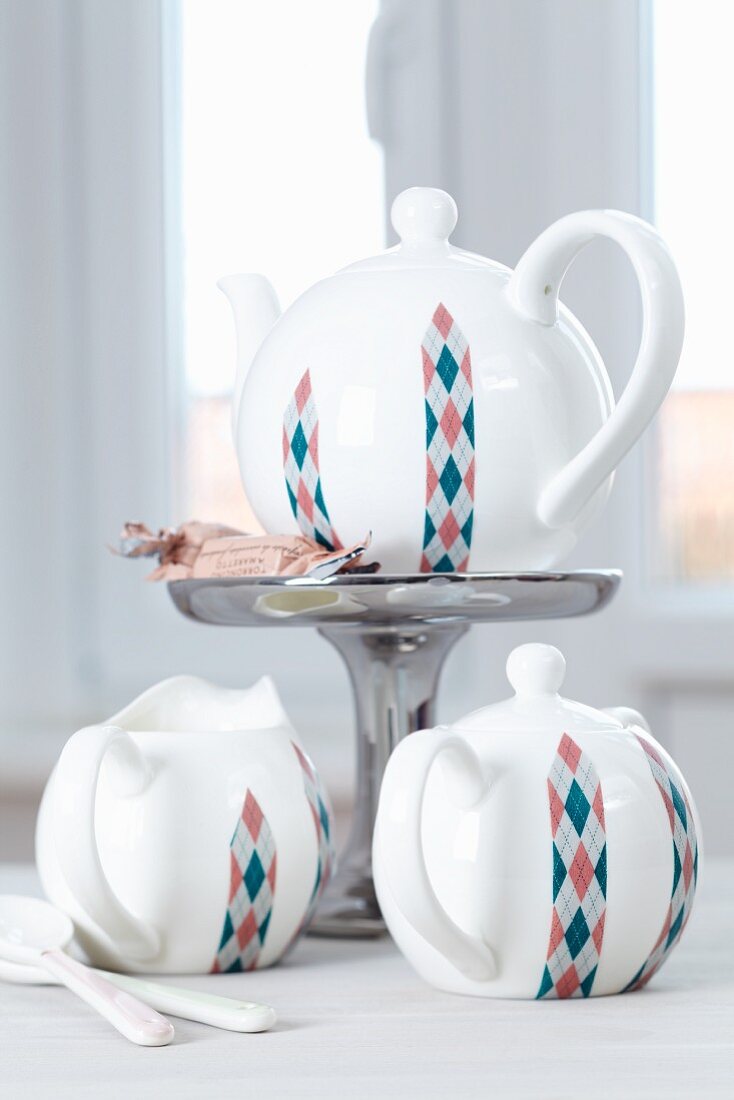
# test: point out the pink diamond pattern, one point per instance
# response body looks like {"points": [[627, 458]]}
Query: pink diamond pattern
{"points": [[579, 874], [685, 864], [318, 806], [252, 887], [450, 464], [301, 466]]}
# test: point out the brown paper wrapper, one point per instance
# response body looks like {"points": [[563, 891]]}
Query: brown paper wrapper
{"points": [[199, 550]]}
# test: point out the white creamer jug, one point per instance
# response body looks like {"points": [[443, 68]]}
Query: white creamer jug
{"points": [[189, 832]]}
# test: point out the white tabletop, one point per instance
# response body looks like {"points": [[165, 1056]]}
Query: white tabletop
{"points": [[356, 1022]]}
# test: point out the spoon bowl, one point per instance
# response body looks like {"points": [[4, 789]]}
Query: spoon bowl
{"points": [[30, 926], [22, 974]]}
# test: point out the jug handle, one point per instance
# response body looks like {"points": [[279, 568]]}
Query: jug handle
{"points": [[398, 837], [533, 289], [74, 796]]}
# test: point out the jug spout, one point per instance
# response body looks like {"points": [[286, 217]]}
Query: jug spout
{"points": [[193, 705], [256, 309]]}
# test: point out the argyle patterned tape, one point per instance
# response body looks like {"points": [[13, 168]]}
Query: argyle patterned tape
{"points": [[251, 891], [322, 825], [685, 866], [450, 464], [301, 466], [579, 874]]}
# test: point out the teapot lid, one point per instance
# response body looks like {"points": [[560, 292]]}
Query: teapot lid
{"points": [[424, 218], [536, 672]]}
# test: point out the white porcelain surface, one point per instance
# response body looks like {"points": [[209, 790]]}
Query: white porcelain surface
{"points": [[134, 831], [463, 847], [546, 435]]}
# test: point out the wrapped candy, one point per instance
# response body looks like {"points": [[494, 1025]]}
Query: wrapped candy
{"points": [[197, 550]]}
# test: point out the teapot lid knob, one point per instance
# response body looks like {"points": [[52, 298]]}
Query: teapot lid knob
{"points": [[536, 669], [424, 214]]}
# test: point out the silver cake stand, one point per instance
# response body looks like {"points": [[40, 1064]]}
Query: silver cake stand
{"points": [[394, 633]]}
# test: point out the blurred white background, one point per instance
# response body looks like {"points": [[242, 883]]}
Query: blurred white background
{"points": [[150, 146]]}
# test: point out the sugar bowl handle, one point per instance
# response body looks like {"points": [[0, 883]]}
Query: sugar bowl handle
{"points": [[629, 717], [74, 798], [533, 290], [398, 836]]}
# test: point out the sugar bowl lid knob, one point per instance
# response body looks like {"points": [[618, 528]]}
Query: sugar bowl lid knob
{"points": [[536, 669], [424, 214]]}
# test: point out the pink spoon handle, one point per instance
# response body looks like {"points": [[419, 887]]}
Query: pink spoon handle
{"points": [[132, 1018]]}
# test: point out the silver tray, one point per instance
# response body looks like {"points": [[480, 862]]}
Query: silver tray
{"points": [[394, 600]]}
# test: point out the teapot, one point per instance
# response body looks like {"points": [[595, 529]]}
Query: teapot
{"points": [[537, 848], [188, 833], [446, 403]]}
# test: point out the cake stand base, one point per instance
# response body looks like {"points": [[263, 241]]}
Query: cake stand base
{"points": [[394, 633], [394, 677]]}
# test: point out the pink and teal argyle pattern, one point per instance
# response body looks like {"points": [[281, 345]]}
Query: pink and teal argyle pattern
{"points": [[251, 891], [322, 824], [450, 465], [579, 874], [301, 466], [685, 865]]}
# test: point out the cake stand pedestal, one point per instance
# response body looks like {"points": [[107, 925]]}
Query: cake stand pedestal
{"points": [[393, 633]]}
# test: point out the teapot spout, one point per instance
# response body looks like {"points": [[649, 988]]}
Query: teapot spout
{"points": [[256, 309]]}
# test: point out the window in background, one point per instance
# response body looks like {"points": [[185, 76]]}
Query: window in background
{"points": [[278, 175], [694, 184]]}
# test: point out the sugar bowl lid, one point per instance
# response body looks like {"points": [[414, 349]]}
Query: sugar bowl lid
{"points": [[536, 672]]}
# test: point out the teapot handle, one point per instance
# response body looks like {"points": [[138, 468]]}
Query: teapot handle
{"points": [[73, 801], [533, 289], [398, 837]]}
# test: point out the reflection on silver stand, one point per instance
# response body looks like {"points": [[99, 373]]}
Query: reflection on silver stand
{"points": [[394, 633], [394, 678]]}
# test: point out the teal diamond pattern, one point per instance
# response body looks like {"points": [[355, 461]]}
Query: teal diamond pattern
{"points": [[577, 933], [447, 368], [450, 460], [579, 884], [431, 424], [450, 479], [685, 861], [252, 889], [577, 807], [559, 872], [316, 799], [300, 443], [254, 876]]}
